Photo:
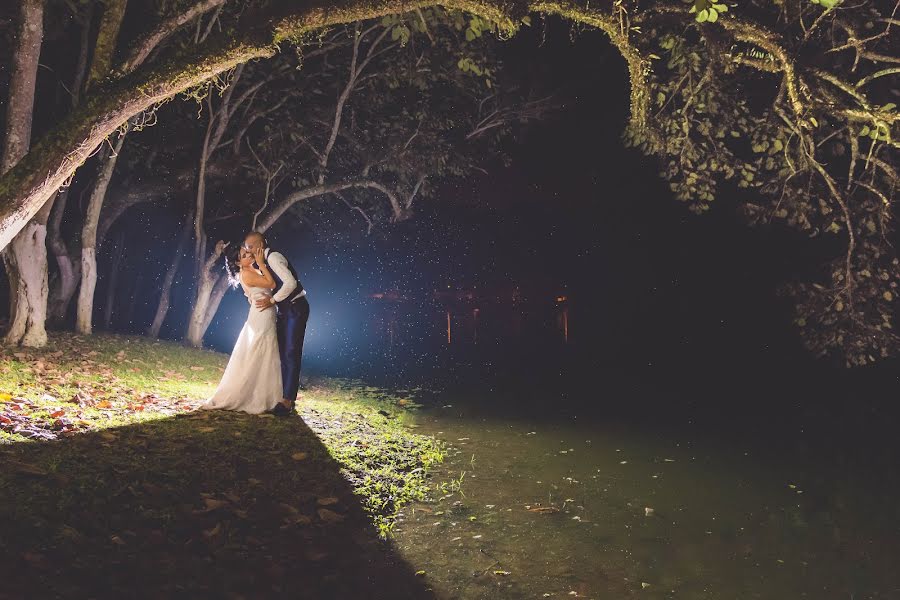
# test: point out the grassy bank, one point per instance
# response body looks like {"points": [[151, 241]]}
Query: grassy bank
{"points": [[110, 479]]}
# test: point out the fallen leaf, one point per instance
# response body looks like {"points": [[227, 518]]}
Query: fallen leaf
{"points": [[299, 455], [327, 501], [213, 533], [297, 520], [152, 489], [289, 508], [69, 532], [21, 467], [329, 516], [211, 505], [542, 509]]}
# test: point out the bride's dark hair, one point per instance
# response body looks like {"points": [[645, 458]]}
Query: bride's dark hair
{"points": [[233, 264]]}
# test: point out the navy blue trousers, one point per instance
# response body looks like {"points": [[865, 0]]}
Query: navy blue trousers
{"points": [[291, 327]]}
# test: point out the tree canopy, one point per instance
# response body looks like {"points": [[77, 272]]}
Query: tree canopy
{"points": [[787, 107]]}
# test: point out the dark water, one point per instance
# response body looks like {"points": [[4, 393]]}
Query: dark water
{"points": [[775, 485]]}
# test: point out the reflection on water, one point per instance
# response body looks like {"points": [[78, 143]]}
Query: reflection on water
{"points": [[592, 510]]}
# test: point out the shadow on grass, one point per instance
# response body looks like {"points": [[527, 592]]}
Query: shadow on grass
{"points": [[217, 505]]}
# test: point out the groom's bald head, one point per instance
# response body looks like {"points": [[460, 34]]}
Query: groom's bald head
{"points": [[255, 240]]}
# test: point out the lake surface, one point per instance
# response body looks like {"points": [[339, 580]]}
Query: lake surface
{"points": [[558, 504]]}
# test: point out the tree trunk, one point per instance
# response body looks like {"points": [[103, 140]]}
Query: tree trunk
{"points": [[213, 289], [62, 289], [83, 50], [104, 48], [140, 51], [199, 232], [113, 281], [84, 309], [197, 323], [215, 299], [205, 299], [166, 293], [26, 257], [83, 320], [26, 263], [105, 45], [20, 106]]}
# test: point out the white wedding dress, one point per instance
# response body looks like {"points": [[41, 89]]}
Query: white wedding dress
{"points": [[252, 380]]}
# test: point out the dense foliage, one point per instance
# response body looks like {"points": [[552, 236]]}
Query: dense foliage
{"points": [[801, 115]]}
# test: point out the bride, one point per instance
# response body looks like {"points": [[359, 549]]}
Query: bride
{"points": [[252, 380]]}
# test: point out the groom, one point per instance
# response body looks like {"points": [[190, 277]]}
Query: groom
{"points": [[293, 312]]}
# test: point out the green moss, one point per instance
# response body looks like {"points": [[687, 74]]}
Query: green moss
{"points": [[105, 46]]}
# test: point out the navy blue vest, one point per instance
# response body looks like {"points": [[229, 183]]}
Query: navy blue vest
{"points": [[279, 283]]}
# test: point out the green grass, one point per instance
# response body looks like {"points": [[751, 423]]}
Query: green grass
{"points": [[111, 479], [386, 464], [81, 384], [98, 382]]}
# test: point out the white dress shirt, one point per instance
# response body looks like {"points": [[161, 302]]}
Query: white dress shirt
{"points": [[279, 265]]}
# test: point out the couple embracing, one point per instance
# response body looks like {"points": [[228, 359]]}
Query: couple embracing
{"points": [[263, 373]]}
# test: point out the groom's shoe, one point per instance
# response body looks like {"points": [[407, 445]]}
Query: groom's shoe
{"points": [[281, 410]]}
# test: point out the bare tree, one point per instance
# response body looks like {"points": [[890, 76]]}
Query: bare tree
{"points": [[351, 143], [221, 116]]}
